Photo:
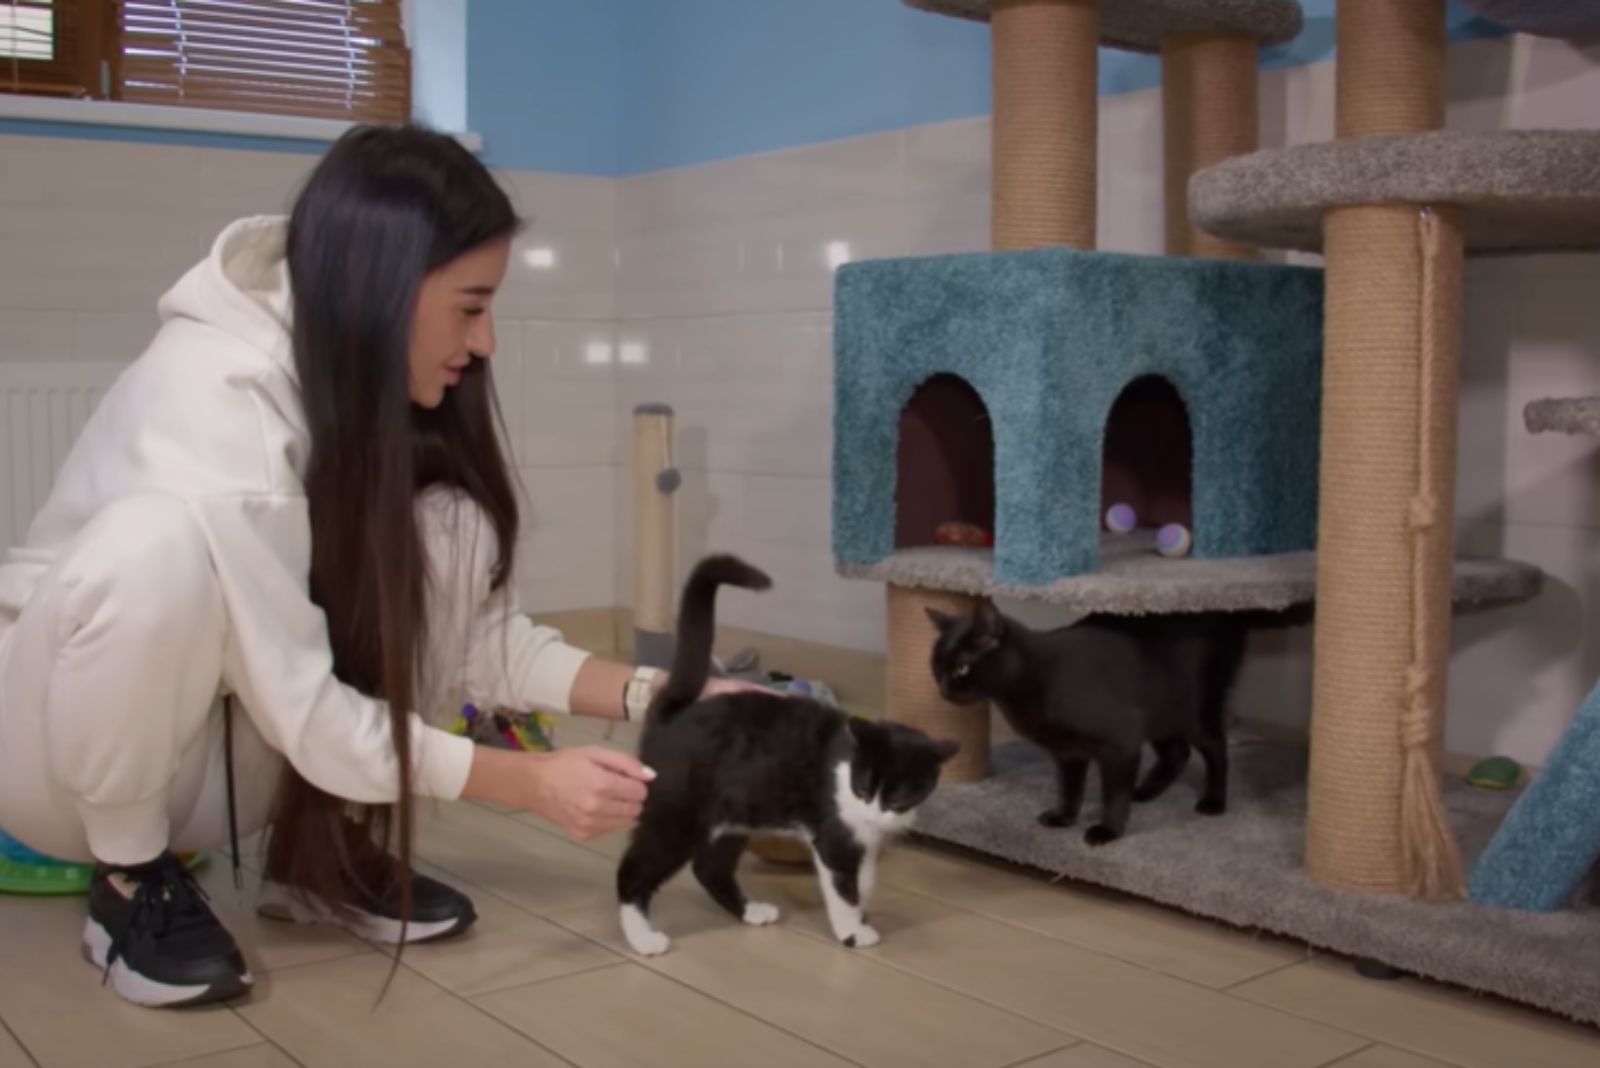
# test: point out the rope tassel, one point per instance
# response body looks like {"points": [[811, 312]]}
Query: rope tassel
{"points": [[1430, 859]]}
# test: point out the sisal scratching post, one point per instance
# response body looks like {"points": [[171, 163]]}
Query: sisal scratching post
{"points": [[1045, 124], [1390, 377], [1208, 113], [1389, 67], [914, 696], [655, 481]]}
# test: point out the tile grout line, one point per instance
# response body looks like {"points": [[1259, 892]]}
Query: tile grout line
{"points": [[1019, 926], [556, 921], [1231, 987], [879, 961], [1405, 1047], [763, 1021], [363, 949], [1346, 1056], [268, 1039], [826, 939], [1417, 982], [488, 1016], [1224, 991], [928, 979], [1083, 1038], [1039, 1057], [619, 962], [26, 1052]]}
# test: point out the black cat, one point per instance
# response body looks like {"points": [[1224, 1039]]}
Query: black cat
{"points": [[1098, 690], [763, 762]]}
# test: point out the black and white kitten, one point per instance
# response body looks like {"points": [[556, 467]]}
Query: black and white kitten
{"points": [[762, 762], [1098, 690]]}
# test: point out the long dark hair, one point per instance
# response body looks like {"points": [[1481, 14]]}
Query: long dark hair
{"points": [[385, 206]]}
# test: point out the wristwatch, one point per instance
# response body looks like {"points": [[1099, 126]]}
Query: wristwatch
{"points": [[639, 691]]}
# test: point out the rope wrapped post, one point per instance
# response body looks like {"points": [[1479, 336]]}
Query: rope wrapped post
{"points": [[1045, 122], [914, 695], [655, 481], [1209, 112], [1390, 378]]}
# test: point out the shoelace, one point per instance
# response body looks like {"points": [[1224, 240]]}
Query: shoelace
{"points": [[227, 770], [167, 899]]}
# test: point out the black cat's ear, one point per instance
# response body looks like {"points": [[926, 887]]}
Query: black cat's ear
{"points": [[940, 620], [989, 619], [945, 750], [860, 728]]}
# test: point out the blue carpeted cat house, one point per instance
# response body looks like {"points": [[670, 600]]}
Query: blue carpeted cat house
{"points": [[1216, 362], [1550, 840]]}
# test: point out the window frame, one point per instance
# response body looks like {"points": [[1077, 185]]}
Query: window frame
{"points": [[78, 69], [167, 122]]}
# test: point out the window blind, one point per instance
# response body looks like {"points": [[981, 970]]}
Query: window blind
{"points": [[334, 59]]}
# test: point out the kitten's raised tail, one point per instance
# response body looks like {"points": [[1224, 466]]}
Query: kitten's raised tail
{"points": [[697, 624]]}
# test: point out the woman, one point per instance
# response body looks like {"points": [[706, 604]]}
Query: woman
{"points": [[282, 543]]}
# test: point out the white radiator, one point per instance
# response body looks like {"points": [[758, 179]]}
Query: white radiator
{"points": [[43, 406]]}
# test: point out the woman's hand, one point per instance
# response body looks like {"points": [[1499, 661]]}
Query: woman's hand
{"points": [[590, 791], [587, 792]]}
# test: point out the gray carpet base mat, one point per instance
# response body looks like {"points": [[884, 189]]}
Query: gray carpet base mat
{"points": [[1133, 579], [1245, 868]]}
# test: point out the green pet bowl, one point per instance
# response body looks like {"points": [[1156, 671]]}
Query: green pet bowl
{"points": [[1495, 773], [27, 872]]}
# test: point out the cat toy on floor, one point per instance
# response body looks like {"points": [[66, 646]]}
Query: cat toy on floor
{"points": [[28, 872], [504, 728]]}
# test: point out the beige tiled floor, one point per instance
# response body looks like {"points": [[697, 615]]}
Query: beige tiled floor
{"points": [[979, 968]]}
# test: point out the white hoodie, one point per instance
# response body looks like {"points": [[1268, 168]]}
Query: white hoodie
{"points": [[211, 415]]}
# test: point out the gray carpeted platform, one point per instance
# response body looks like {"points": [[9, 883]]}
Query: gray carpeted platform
{"points": [[1543, 18], [1521, 190], [1139, 25], [1568, 415], [1134, 580], [1245, 868]]}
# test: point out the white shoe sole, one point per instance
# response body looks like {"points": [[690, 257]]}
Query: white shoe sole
{"points": [[141, 989], [277, 903]]}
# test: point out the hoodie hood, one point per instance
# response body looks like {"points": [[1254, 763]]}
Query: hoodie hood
{"points": [[242, 288]]}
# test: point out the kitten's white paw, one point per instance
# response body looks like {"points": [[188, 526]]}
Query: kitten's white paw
{"points": [[760, 913], [642, 938], [864, 938], [650, 943]]}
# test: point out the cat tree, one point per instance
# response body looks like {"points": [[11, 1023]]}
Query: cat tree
{"points": [[1045, 123], [1394, 204]]}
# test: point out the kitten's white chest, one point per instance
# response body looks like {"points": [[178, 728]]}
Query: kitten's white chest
{"points": [[867, 819]]}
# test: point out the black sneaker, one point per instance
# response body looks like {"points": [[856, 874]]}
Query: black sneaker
{"points": [[437, 911], [155, 938]]}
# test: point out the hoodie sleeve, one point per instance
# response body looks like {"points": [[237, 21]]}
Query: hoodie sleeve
{"points": [[481, 643], [279, 662]]}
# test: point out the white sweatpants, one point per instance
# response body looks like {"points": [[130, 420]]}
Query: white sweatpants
{"points": [[122, 643], [126, 629]]}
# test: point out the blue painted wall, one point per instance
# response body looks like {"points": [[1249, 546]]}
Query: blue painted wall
{"points": [[545, 84], [618, 87], [713, 79]]}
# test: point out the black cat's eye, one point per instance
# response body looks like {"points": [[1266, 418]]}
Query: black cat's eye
{"points": [[962, 671]]}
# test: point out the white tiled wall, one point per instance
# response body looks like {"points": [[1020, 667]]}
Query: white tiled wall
{"points": [[709, 288], [724, 282], [92, 233]]}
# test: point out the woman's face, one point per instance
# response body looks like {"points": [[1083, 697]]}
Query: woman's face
{"points": [[452, 323]]}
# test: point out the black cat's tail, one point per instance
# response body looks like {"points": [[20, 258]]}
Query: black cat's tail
{"points": [[697, 624]]}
